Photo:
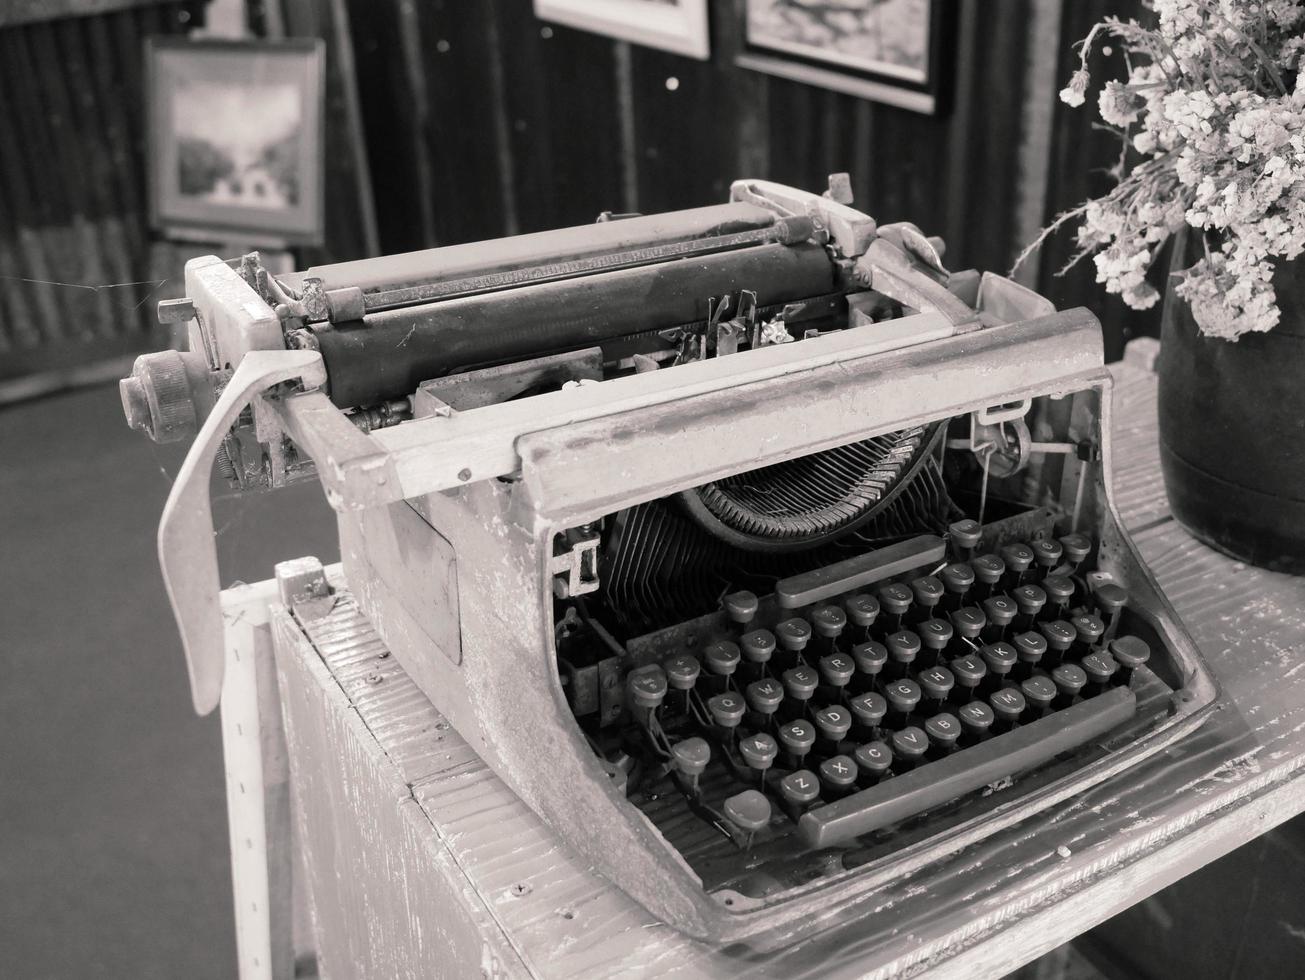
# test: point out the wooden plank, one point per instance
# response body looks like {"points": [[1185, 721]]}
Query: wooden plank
{"points": [[258, 787], [387, 894]]}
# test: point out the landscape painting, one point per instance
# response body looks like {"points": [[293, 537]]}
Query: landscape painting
{"points": [[236, 130], [877, 49], [889, 37], [679, 26]]}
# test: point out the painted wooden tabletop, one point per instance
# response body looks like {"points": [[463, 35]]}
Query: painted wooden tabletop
{"points": [[985, 910]]}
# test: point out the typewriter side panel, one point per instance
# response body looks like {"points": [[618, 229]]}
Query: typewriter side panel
{"points": [[503, 695]]}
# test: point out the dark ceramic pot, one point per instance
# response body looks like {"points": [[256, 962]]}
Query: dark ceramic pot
{"points": [[1232, 428]]}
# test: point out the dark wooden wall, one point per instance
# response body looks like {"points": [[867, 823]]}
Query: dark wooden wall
{"points": [[479, 120], [483, 121]]}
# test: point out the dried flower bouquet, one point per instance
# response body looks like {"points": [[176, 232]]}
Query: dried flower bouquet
{"points": [[1212, 122]]}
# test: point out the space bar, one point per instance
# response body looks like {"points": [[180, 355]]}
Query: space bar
{"points": [[965, 771]]}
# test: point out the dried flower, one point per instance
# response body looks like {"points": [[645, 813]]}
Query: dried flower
{"points": [[1072, 94], [1214, 105]]}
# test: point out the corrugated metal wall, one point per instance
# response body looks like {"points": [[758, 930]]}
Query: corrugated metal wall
{"points": [[72, 184]]}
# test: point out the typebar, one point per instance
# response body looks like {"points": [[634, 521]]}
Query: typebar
{"points": [[963, 772]]}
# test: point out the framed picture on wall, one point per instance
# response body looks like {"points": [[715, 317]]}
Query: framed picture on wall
{"points": [[882, 50], [235, 139], [679, 26]]}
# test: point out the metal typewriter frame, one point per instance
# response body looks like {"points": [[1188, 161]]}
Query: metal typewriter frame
{"points": [[490, 545], [448, 523]]}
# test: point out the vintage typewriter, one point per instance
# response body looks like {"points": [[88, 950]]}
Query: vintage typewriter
{"points": [[764, 557]]}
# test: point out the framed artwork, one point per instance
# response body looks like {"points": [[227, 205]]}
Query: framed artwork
{"points": [[882, 50], [235, 139], [679, 26]]}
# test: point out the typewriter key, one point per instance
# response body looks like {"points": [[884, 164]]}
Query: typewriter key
{"points": [[910, 745], [797, 738], [690, 758], [895, 599], [1018, 557], [759, 753], [1007, 705], [1130, 652], [870, 658], [829, 623], [799, 684], [833, 724], [764, 697], [928, 592], [758, 646], [873, 760], [1000, 659], [1110, 601], [943, 730], [868, 713], [727, 711], [799, 790], [862, 611], [988, 569], [838, 776], [1088, 630], [722, 660], [957, 579], [1048, 553], [741, 607], [903, 647], [1060, 636], [965, 536], [935, 635], [837, 670], [968, 622], [1030, 599], [902, 697], [749, 811], [1031, 648], [977, 720], [936, 684], [1060, 590], [1039, 691], [969, 672], [999, 611], [682, 673], [647, 686], [1070, 679], [793, 635], [1077, 547], [1100, 669]]}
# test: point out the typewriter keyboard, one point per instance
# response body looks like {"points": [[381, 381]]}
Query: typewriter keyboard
{"points": [[866, 692]]}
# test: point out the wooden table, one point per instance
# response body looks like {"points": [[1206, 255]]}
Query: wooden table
{"points": [[418, 861]]}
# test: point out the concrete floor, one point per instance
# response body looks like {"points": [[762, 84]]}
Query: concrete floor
{"points": [[113, 846]]}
